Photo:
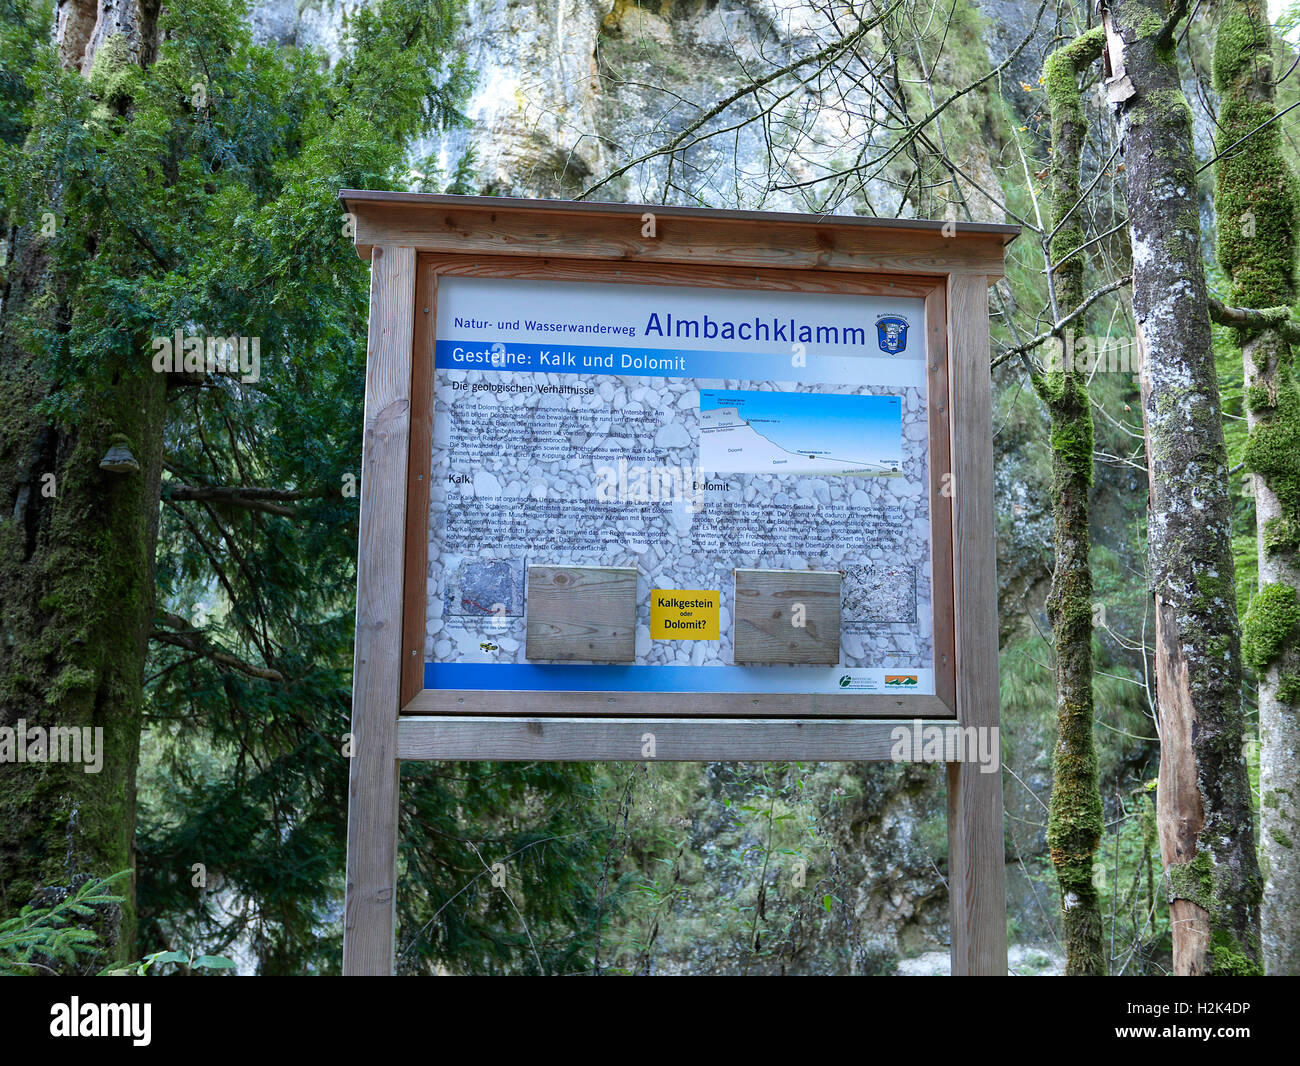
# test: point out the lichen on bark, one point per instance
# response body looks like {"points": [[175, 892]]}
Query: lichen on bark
{"points": [[76, 561], [1259, 223], [1075, 812], [1204, 803]]}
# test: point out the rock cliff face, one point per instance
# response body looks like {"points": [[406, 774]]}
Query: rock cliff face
{"points": [[568, 90]]}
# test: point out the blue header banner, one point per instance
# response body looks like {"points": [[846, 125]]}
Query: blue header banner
{"points": [[515, 357]]}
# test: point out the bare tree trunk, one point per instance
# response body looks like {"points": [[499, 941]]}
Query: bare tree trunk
{"points": [[1256, 204], [1075, 815], [1207, 837], [77, 545]]}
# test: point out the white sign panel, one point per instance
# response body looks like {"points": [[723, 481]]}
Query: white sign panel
{"points": [[685, 432]]}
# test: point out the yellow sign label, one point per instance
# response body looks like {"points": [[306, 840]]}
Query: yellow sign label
{"points": [[684, 614]]}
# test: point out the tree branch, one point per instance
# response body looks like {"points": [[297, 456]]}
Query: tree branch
{"points": [[1278, 318], [251, 497], [1030, 345], [916, 130], [1166, 35], [182, 635], [1246, 136], [827, 53]]}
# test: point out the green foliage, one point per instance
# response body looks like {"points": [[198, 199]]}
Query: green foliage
{"points": [[215, 167], [199, 194], [741, 875], [26, 25], [43, 939], [540, 825], [160, 959]]}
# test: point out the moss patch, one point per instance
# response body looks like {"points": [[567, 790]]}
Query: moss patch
{"points": [[1270, 622]]}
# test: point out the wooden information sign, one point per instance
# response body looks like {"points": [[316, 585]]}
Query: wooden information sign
{"points": [[669, 483]]}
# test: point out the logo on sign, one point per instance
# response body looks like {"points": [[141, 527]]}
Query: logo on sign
{"points": [[900, 680], [891, 333]]}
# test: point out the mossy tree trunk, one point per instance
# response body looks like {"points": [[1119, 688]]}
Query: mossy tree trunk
{"points": [[1256, 203], [1207, 837], [1075, 815], [76, 580]]}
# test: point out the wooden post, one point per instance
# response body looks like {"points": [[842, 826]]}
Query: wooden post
{"points": [[369, 905], [976, 856]]}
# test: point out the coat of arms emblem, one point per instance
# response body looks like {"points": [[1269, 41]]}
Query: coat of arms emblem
{"points": [[891, 333]]}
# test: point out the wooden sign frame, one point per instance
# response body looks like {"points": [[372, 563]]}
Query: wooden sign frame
{"points": [[412, 240]]}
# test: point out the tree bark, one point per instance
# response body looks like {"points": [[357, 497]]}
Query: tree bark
{"points": [[1075, 813], [1207, 837], [76, 579], [1256, 203]]}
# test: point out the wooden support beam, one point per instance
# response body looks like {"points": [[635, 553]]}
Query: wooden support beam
{"points": [[369, 904], [417, 479], [750, 705], [655, 233], [976, 856], [674, 739]]}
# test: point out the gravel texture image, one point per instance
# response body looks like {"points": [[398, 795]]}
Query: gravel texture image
{"points": [[874, 593], [479, 588]]}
